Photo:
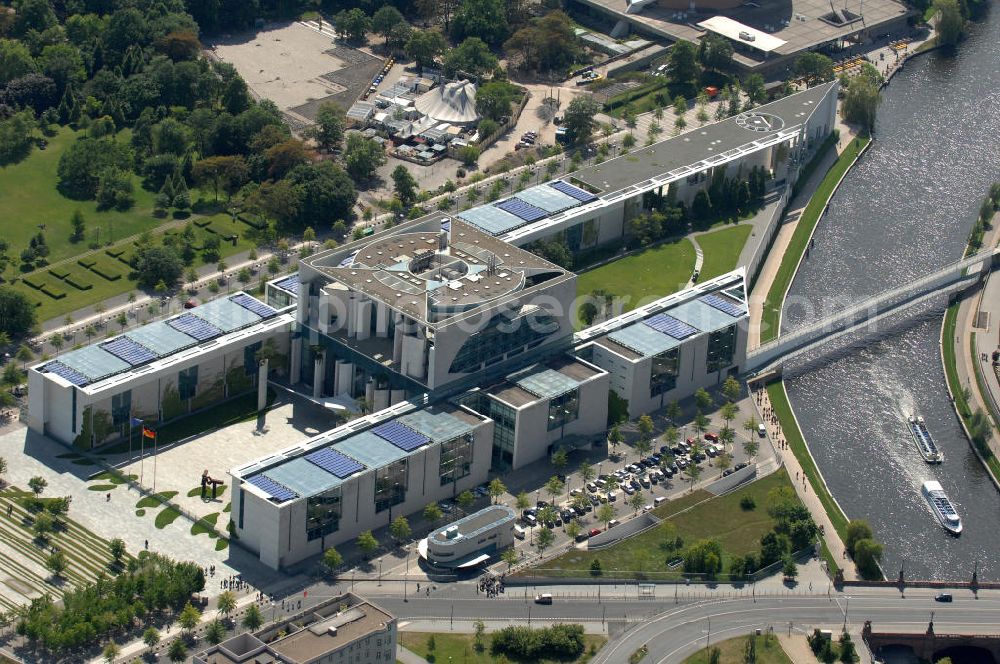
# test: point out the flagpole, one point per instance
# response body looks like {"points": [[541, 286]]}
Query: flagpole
{"points": [[154, 462]]}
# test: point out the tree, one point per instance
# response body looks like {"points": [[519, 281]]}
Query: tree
{"points": [[151, 637], [493, 100], [37, 485], [606, 513], [79, 226], [559, 459], [177, 652], [861, 102], [814, 68], [750, 447], [400, 528], [330, 122], [385, 19], [114, 189], [715, 52], [158, 264], [544, 538], [867, 554], [405, 185], [42, 526], [554, 487], [215, 632], [857, 529], [636, 501], [399, 35], [227, 173], [15, 60], [683, 64], [674, 411], [56, 563], [587, 472], [703, 399], [522, 501], [433, 513], [510, 556], [731, 389], [17, 313], [484, 19], [332, 558], [111, 652], [580, 119], [324, 192], [573, 529], [615, 437], [367, 543], [117, 549], [693, 472], [353, 24], [252, 619], [362, 156], [496, 489], [848, 653], [645, 427], [189, 617], [548, 43], [950, 22], [790, 570], [425, 45], [472, 57], [480, 628], [465, 500]]}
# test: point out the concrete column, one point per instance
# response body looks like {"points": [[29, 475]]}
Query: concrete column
{"points": [[382, 314], [319, 369], [345, 376], [262, 385], [380, 400], [295, 372], [396, 396]]}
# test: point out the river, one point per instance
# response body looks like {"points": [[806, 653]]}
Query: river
{"points": [[904, 210]]}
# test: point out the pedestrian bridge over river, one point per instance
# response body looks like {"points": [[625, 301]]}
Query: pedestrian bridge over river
{"points": [[811, 341]]}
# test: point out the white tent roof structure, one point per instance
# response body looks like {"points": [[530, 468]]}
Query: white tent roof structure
{"points": [[452, 102]]}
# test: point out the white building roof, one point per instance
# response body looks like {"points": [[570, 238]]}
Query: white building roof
{"points": [[452, 102], [742, 33]]}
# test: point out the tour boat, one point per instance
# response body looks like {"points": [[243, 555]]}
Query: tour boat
{"points": [[942, 507], [922, 437]]}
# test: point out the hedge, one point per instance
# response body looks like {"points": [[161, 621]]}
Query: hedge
{"points": [[201, 223], [259, 225], [87, 261], [114, 252], [106, 271], [34, 281], [54, 292], [59, 273], [77, 282]]}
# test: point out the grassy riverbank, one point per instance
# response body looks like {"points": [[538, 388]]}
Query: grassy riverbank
{"points": [[771, 316]]}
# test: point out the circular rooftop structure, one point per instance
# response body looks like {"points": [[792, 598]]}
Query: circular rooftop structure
{"points": [[759, 122]]}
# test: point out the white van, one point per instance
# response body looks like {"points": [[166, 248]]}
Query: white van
{"points": [[612, 523], [612, 496], [659, 501], [518, 532]]}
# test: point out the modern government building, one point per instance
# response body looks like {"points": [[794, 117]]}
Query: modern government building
{"points": [[457, 339]]}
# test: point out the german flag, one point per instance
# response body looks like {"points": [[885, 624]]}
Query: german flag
{"points": [[148, 433]]}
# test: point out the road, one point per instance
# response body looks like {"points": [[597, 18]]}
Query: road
{"points": [[673, 631]]}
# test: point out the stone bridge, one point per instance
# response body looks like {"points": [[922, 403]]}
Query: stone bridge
{"points": [[930, 646]]}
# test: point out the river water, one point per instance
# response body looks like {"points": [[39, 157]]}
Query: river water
{"points": [[904, 210]]}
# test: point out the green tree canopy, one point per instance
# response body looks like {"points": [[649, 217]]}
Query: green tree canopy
{"points": [[472, 57], [484, 19], [950, 22], [17, 313], [158, 264], [814, 68], [683, 63], [425, 45], [580, 119], [353, 24]]}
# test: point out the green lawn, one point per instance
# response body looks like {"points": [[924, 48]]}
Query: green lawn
{"points": [[30, 197], [643, 277], [722, 249], [731, 651], [783, 409], [800, 239], [459, 648], [721, 518]]}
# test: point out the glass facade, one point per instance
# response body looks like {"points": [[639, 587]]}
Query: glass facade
{"points": [[121, 407], [721, 349], [456, 458], [390, 485], [250, 358], [323, 513], [187, 382], [501, 337], [504, 423], [564, 409], [663, 372]]}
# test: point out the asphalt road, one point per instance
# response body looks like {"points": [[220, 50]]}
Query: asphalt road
{"points": [[674, 631]]}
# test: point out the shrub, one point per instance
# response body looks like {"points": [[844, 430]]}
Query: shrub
{"points": [[747, 503]]}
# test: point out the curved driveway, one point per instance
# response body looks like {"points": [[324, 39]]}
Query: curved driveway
{"points": [[674, 631]]}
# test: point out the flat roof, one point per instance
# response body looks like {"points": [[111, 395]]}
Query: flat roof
{"points": [[471, 525], [705, 146], [159, 340], [304, 470], [744, 34], [543, 381], [316, 640], [663, 325]]}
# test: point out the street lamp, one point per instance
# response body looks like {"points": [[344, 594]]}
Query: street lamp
{"points": [[380, 572]]}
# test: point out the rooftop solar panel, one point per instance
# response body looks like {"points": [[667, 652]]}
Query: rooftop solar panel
{"points": [[401, 436], [279, 492], [568, 189], [491, 219], [547, 198], [253, 305], [724, 304], [350, 259], [128, 350], [334, 462], [290, 284], [519, 208], [61, 370], [94, 362], [160, 338], [670, 326], [194, 327], [643, 339]]}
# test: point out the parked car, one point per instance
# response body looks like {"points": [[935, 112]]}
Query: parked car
{"points": [[714, 437], [595, 532], [628, 489], [529, 519], [761, 430], [446, 507], [595, 501], [591, 486], [544, 598]]}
